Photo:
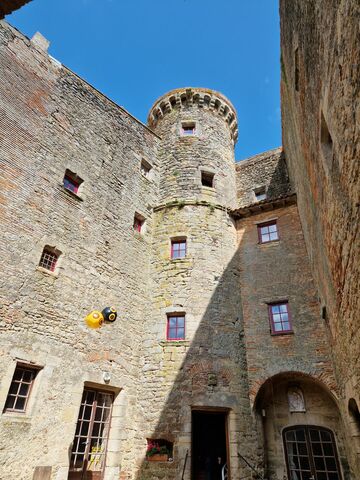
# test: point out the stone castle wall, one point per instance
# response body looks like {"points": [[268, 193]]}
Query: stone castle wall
{"points": [[320, 117], [52, 121]]}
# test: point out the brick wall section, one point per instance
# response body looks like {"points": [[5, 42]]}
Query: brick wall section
{"points": [[326, 36], [52, 120], [273, 272]]}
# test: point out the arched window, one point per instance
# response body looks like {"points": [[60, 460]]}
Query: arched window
{"points": [[311, 453]]}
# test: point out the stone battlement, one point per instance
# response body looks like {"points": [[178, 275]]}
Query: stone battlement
{"points": [[204, 97]]}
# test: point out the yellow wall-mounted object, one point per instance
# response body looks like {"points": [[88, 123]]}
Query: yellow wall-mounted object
{"points": [[94, 319]]}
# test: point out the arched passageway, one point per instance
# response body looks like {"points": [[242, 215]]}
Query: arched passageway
{"points": [[302, 432]]}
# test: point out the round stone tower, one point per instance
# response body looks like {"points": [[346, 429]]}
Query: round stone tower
{"points": [[198, 128], [194, 357]]}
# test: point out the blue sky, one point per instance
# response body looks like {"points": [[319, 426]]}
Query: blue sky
{"points": [[136, 50]]}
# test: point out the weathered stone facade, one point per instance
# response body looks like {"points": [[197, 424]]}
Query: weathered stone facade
{"points": [[320, 90], [178, 178]]}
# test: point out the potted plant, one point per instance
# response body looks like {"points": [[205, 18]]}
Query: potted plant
{"points": [[156, 452]]}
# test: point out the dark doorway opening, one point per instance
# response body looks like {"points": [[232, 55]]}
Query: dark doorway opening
{"points": [[209, 450]]}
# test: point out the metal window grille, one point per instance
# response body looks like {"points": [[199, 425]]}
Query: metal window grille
{"points": [[91, 435], [311, 453], [280, 318], [48, 260], [176, 327], [268, 232], [178, 249], [20, 388]]}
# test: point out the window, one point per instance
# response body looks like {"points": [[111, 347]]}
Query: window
{"points": [[268, 232], [139, 221], [178, 249], [188, 128], [72, 181], [311, 453], [279, 318], [297, 72], [207, 179], [20, 388], [145, 168], [176, 327], [260, 193], [91, 435], [49, 258]]}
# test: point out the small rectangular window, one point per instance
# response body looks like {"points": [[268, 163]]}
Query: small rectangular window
{"points": [[188, 128], [178, 249], [145, 168], [176, 327], [20, 388], [268, 232], [207, 179], [49, 258], [139, 222], [297, 72], [260, 193], [72, 181], [279, 318]]}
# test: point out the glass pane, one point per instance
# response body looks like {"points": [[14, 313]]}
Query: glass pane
{"points": [[84, 428], [18, 374], [181, 321], [275, 308], [333, 476], [272, 228], [14, 388], [302, 448], [24, 388], [290, 435], [277, 327], [304, 463], [172, 321], [314, 435], [10, 402], [300, 435], [330, 464], [321, 476], [325, 436], [20, 403], [276, 317], [319, 463], [181, 333], [265, 237], [273, 236], [172, 333], [328, 449], [27, 377], [286, 326], [283, 308], [316, 448], [284, 317]]}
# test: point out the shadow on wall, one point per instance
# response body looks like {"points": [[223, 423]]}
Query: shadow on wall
{"points": [[213, 374]]}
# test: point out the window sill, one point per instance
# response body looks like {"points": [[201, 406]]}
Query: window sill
{"points": [[271, 242], [47, 272], [277, 334], [72, 194], [174, 343], [17, 417]]}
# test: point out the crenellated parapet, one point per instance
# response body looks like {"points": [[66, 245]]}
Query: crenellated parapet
{"points": [[203, 97]]}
